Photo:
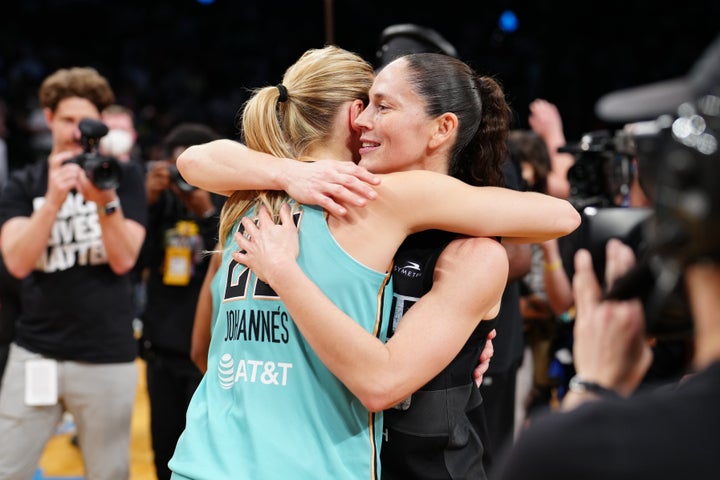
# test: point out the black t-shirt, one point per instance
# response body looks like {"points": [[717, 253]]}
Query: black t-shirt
{"points": [[9, 304], [170, 308], [666, 434], [73, 306]]}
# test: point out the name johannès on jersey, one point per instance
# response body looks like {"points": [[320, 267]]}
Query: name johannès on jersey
{"points": [[257, 325]]}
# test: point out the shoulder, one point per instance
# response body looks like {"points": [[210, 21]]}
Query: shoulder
{"points": [[417, 177], [30, 177], [477, 250], [475, 262]]}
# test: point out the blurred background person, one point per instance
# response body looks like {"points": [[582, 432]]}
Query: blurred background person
{"points": [[546, 122], [121, 143], [610, 427], [121, 140], [182, 228], [73, 244], [540, 287]]}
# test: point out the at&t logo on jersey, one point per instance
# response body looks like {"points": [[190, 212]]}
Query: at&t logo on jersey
{"points": [[251, 371]]}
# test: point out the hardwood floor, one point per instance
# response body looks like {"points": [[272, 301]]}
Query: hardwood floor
{"points": [[62, 460]]}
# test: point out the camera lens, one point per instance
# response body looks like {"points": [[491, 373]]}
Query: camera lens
{"points": [[103, 172], [179, 180]]}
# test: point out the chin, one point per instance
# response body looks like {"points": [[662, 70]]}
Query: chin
{"points": [[364, 162]]}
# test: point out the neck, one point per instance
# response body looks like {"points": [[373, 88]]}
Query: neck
{"points": [[437, 162], [326, 152]]}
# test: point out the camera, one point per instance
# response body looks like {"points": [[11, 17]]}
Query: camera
{"points": [[600, 182], [104, 172], [178, 180], [678, 156], [602, 173]]}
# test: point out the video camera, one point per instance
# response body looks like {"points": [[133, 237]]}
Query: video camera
{"points": [[678, 157], [600, 185], [602, 172], [104, 172]]}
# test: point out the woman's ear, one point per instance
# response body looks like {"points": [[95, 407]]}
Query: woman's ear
{"points": [[445, 128], [356, 108]]}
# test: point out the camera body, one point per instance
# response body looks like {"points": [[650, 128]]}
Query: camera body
{"points": [[104, 172], [678, 158], [670, 175], [178, 180], [600, 184], [602, 173]]}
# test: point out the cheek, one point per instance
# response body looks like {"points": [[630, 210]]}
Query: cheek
{"points": [[406, 149], [388, 159]]}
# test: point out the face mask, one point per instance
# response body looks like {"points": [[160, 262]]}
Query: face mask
{"points": [[116, 143]]}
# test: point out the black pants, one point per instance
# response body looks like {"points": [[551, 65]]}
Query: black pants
{"points": [[498, 392], [171, 382]]}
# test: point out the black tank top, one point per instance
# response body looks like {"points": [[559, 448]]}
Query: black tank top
{"points": [[437, 432]]}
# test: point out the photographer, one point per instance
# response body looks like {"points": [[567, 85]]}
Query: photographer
{"points": [[73, 243], [610, 184], [610, 430], [182, 227]]}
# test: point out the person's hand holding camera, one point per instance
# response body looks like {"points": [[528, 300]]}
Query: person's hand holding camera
{"points": [[62, 177], [197, 201], [91, 192], [610, 349], [157, 179]]}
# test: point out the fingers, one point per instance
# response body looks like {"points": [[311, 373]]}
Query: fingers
{"points": [[363, 174], [286, 215], [347, 191], [264, 217], [487, 352], [585, 285], [352, 185], [620, 259], [249, 225], [335, 209]]}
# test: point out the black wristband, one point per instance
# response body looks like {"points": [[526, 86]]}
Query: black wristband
{"points": [[580, 385]]}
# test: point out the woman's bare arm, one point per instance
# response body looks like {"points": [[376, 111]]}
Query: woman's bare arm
{"points": [[433, 200], [469, 280], [224, 166], [200, 339]]}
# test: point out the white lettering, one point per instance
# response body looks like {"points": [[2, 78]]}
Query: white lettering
{"points": [[258, 371], [86, 227], [62, 257], [75, 238], [61, 233]]}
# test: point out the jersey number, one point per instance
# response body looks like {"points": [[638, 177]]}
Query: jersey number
{"points": [[238, 278]]}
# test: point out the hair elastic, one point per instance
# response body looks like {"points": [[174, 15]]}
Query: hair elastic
{"points": [[283, 92]]}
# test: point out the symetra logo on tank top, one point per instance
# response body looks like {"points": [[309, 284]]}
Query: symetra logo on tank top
{"points": [[408, 269], [76, 236]]}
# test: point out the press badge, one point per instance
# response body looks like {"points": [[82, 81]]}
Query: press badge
{"points": [[41, 382], [178, 263]]}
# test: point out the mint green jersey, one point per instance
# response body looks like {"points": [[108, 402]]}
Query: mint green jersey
{"points": [[268, 408]]}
